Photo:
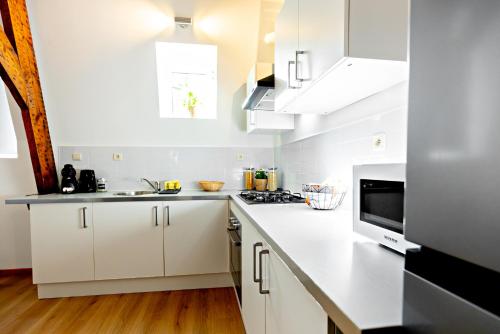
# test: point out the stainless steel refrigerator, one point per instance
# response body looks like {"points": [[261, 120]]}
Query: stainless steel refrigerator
{"points": [[452, 285]]}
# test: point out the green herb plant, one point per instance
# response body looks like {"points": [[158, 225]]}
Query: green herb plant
{"points": [[260, 174]]}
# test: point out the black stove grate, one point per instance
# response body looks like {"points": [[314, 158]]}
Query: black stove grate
{"points": [[271, 197]]}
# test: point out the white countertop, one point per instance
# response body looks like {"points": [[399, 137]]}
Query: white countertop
{"points": [[359, 283]]}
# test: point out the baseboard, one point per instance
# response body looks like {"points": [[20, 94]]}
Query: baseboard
{"points": [[117, 286], [16, 272]]}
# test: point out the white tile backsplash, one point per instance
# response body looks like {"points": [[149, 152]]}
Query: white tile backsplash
{"points": [[187, 164], [332, 154]]}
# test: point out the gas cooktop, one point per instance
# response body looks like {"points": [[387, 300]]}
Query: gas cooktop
{"points": [[270, 197]]}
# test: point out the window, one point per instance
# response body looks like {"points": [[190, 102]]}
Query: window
{"points": [[8, 141], [187, 80]]}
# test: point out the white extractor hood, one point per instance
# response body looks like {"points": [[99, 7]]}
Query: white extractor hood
{"points": [[260, 88]]}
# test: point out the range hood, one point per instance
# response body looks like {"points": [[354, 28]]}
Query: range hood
{"points": [[260, 88]]}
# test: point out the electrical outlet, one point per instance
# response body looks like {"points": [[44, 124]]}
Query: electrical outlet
{"points": [[76, 157], [117, 156], [240, 156], [379, 142]]}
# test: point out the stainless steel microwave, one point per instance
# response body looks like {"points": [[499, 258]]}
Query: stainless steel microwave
{"points": [[379, 202]]}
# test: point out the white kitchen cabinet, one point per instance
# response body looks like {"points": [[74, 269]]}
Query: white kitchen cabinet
{"points": [[309, 41], [268, 122], [321, 37], [290, 309], [287, 43], [62, 242], [253, 303], [345, 50], [287, 307], [128, 240], [378, 29], [195, 237]]}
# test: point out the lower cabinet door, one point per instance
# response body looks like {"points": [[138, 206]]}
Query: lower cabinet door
{"points": [[196, 240], [62, 242], [128, 240], [290, 309], [253, 303]]}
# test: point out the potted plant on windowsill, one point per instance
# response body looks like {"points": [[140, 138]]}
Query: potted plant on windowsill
{"points": [[190, 103], [260, 180]]}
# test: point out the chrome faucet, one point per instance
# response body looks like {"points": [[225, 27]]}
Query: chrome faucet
{"points": [[154, 184]]}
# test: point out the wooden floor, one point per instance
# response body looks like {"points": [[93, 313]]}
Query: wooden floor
{"points": [[188, 311]]}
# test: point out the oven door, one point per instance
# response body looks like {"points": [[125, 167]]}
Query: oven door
{"points": [[235, 260]]}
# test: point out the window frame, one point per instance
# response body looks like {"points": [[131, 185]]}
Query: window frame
{"points": [[190, 59]]}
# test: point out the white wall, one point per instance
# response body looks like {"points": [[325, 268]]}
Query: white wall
{"points": [[97, 67], [96, 60], [324, 148], [16, 178]]}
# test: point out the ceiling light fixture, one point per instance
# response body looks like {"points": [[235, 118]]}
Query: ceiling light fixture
{"points": [[183, 22]]}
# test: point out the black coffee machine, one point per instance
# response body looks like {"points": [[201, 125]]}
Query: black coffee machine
{"points": [[87, 183], [69, 185]]}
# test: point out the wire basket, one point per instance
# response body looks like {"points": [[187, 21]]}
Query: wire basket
{"points": [[323, 197]]}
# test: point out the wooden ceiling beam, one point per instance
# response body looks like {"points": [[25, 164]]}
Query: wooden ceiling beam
{"points": [[11, 72], [17, 30]]}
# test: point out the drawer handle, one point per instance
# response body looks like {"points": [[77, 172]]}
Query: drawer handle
{"points": [[255, 245], [261, 281]]}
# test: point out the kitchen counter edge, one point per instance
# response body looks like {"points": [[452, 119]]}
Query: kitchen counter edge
{"points": [[109, 197]]}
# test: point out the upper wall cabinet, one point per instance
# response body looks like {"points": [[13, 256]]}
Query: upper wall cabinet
{"points": [[286, 44], [332, 53]]}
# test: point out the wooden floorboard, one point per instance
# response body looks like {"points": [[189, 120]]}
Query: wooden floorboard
{"points": [[203, 311]]}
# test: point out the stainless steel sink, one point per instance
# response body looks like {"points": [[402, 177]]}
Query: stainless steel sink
{"points": [[134, 193]]}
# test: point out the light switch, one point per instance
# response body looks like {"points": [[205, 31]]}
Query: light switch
{"points": [[76, 157], [117, 156]]}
